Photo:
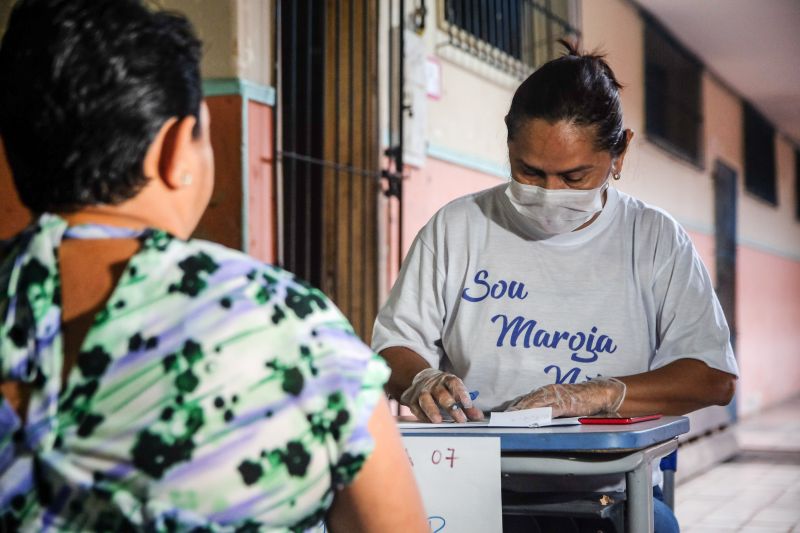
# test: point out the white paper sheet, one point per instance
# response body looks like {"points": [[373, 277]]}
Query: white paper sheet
{"points": [[446, 424], [525, 418]]}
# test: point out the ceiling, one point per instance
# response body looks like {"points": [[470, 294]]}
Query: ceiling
{"points": [[752, 45]]}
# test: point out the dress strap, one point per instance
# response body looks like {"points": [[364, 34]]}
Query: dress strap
{"points": [[99, 231]]}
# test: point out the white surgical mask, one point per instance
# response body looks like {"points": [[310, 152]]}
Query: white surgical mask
{"points": [[555, 211]]}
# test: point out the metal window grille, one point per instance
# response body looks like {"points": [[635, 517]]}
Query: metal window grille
{"points": [[759, 156], [515, 36], [673, 116]]}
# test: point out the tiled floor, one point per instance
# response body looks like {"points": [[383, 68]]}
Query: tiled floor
{"points": [[756, 491]]}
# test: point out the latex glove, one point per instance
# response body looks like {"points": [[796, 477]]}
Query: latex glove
{"points": [[600, 395], [431, 389]]}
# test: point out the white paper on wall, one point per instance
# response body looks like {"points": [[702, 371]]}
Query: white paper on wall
{"points": [[415, 141]]}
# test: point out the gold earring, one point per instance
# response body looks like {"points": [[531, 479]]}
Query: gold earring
{"points": [[186, 179], [616, 176]]}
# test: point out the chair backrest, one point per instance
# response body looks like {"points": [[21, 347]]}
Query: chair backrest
{"points": [[669, 464]]}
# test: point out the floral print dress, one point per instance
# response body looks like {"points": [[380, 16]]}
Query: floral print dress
{"points": [[212, 393]]}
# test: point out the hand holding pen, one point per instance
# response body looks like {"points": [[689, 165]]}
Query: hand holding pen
{"points": [[432, 390], [458, 406]]}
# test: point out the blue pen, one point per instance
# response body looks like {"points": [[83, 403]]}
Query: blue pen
{"points": [[472, 396]]}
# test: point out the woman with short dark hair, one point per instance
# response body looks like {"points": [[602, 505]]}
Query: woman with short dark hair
{"points": [[150, 381], [556, 289]]}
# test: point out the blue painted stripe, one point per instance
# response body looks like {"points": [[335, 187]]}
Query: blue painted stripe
{"points": [[237, 86], [706, 229], [221, 87], [769, 249], [259, 93], [467, 161]]}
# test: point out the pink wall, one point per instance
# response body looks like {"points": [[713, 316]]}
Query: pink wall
{"points": [[262, 222], [427, 189], [768, 316], [768, 287], [704, 244]]}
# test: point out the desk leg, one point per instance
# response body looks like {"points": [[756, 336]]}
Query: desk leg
{"points": [[639, 512]]}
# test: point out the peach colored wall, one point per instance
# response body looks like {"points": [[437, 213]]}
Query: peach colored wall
{"points": [[222, 221], [262, 221], [722, 123], [704, 244], [429, 188], [425, 191], [649, 173], [614, 28], [13, 215], [768, 315]]}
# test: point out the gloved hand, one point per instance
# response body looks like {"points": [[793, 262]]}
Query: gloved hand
{"points": [[431, 389], [600, 395]]}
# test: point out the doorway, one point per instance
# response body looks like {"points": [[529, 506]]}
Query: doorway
{"points": [[328, 149]]}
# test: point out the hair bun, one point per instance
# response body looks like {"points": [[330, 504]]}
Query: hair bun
{"points": [[573, 46]]}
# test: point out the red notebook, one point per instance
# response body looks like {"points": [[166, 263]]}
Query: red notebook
{"points": [[602, 419]]}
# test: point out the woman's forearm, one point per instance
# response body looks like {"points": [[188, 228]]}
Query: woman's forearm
{"points": [[678, 388], [405, 364], [675, 389]]}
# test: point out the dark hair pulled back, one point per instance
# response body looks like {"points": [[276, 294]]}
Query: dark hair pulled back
{"points": [[578, 88]]}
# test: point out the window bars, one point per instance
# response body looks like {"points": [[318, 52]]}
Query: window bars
{"points": [[514, 36], [328, 149]]}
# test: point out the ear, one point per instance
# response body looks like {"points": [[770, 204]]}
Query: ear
{"points": [[169, 156], [617, 163]]}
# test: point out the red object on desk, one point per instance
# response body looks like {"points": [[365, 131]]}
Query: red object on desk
{"points": [[616, 419]]}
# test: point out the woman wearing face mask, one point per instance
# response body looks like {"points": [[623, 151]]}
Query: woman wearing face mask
{"points": [[556, 289]]}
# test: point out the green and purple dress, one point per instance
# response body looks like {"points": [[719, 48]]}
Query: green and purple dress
{"points": [[211, 393]]}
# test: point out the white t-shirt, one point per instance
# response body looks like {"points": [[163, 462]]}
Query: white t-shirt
{"points": [[482, 297]]}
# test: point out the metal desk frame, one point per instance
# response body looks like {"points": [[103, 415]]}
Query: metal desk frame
{"points": [[584, 451]]}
